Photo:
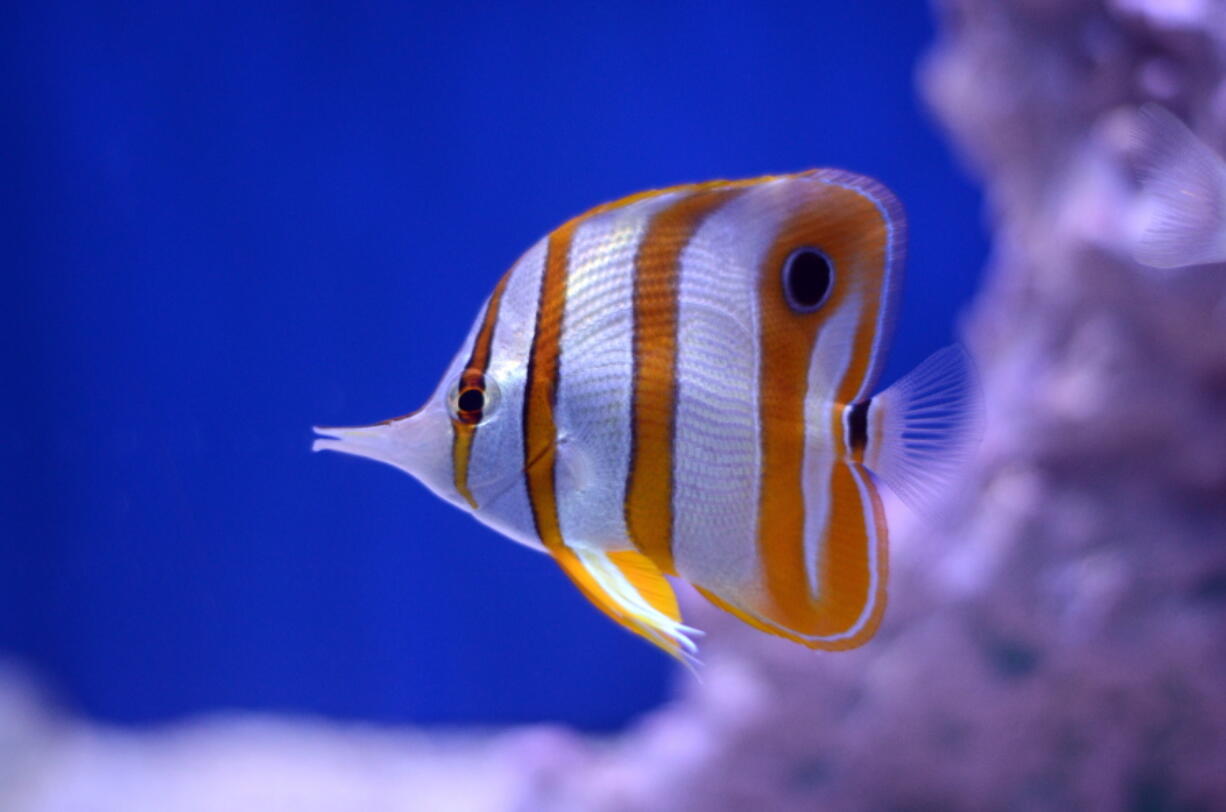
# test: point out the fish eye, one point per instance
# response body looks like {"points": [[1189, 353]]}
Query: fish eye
{"points": [[474, 397], [808, 278], [470, 400]]}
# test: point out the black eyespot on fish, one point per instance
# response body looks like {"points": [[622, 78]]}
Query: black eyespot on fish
{"points": [[471, 400], [808, 278]]}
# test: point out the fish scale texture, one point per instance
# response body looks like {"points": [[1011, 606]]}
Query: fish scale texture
{"points": [[1057, 640]]}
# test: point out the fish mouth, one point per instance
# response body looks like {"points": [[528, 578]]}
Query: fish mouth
{"points": [[382, 442], [397, 441], [327, 433], [361, 441]]}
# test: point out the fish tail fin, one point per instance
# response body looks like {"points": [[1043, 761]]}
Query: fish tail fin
{"points": [[918, 433], [627, 587], [1181, 218]]}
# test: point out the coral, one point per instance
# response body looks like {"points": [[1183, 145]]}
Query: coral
{"points": [[240, 761]]}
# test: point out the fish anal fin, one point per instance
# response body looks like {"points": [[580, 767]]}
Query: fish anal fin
{"points": [[648, 580], [627, 587]]}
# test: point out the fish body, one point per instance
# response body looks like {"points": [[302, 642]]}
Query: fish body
{"points": [[681, 383]]}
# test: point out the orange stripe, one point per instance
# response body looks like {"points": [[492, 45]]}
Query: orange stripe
{"points": [[845, 575], [657, 266], [540, 389], [853, 513], [474, 375], [848, 227]]}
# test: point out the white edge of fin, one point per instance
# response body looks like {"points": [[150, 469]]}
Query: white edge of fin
{"points": [[1181, 218], [923, 429], [620, 590]]}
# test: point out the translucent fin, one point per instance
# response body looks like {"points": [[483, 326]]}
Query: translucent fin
{"points": [[1182, 216], [923, 428], [631, 590], [574, 469]]}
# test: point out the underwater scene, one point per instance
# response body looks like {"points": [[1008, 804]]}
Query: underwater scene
{"points": [[725, 406]]}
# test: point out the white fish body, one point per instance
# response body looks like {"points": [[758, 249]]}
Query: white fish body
{"points": [[680, 383]]}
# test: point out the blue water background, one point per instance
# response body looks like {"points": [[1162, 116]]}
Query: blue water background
{"points": [[223, 224]]}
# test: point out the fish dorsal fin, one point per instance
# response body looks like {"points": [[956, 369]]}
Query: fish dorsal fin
{"points": [[627, 587], [921, 430], [1182, 216]]}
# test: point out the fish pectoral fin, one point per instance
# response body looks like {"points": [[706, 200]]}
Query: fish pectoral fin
{"points": [[922, 429], [1178, 220], [627, 587], [574, 470]]}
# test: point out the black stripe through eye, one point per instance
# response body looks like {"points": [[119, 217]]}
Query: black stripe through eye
{"points": [[471, 400], [807, 279]]}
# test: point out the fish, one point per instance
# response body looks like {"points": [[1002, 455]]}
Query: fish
{"points": [[1180, 219], [681, 383]]}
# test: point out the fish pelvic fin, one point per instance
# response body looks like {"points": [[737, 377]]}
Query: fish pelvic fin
{"points": [[627, 587], [1181, 217], [918, 434]]}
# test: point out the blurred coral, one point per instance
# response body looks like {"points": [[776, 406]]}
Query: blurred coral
{"points": [[49, 761], [1056, 640]]}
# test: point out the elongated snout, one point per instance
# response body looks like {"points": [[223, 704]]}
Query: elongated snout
{"points": [[418, 444]]}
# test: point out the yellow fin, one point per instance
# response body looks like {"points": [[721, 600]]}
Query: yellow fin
{"points": [[627, 587]]}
